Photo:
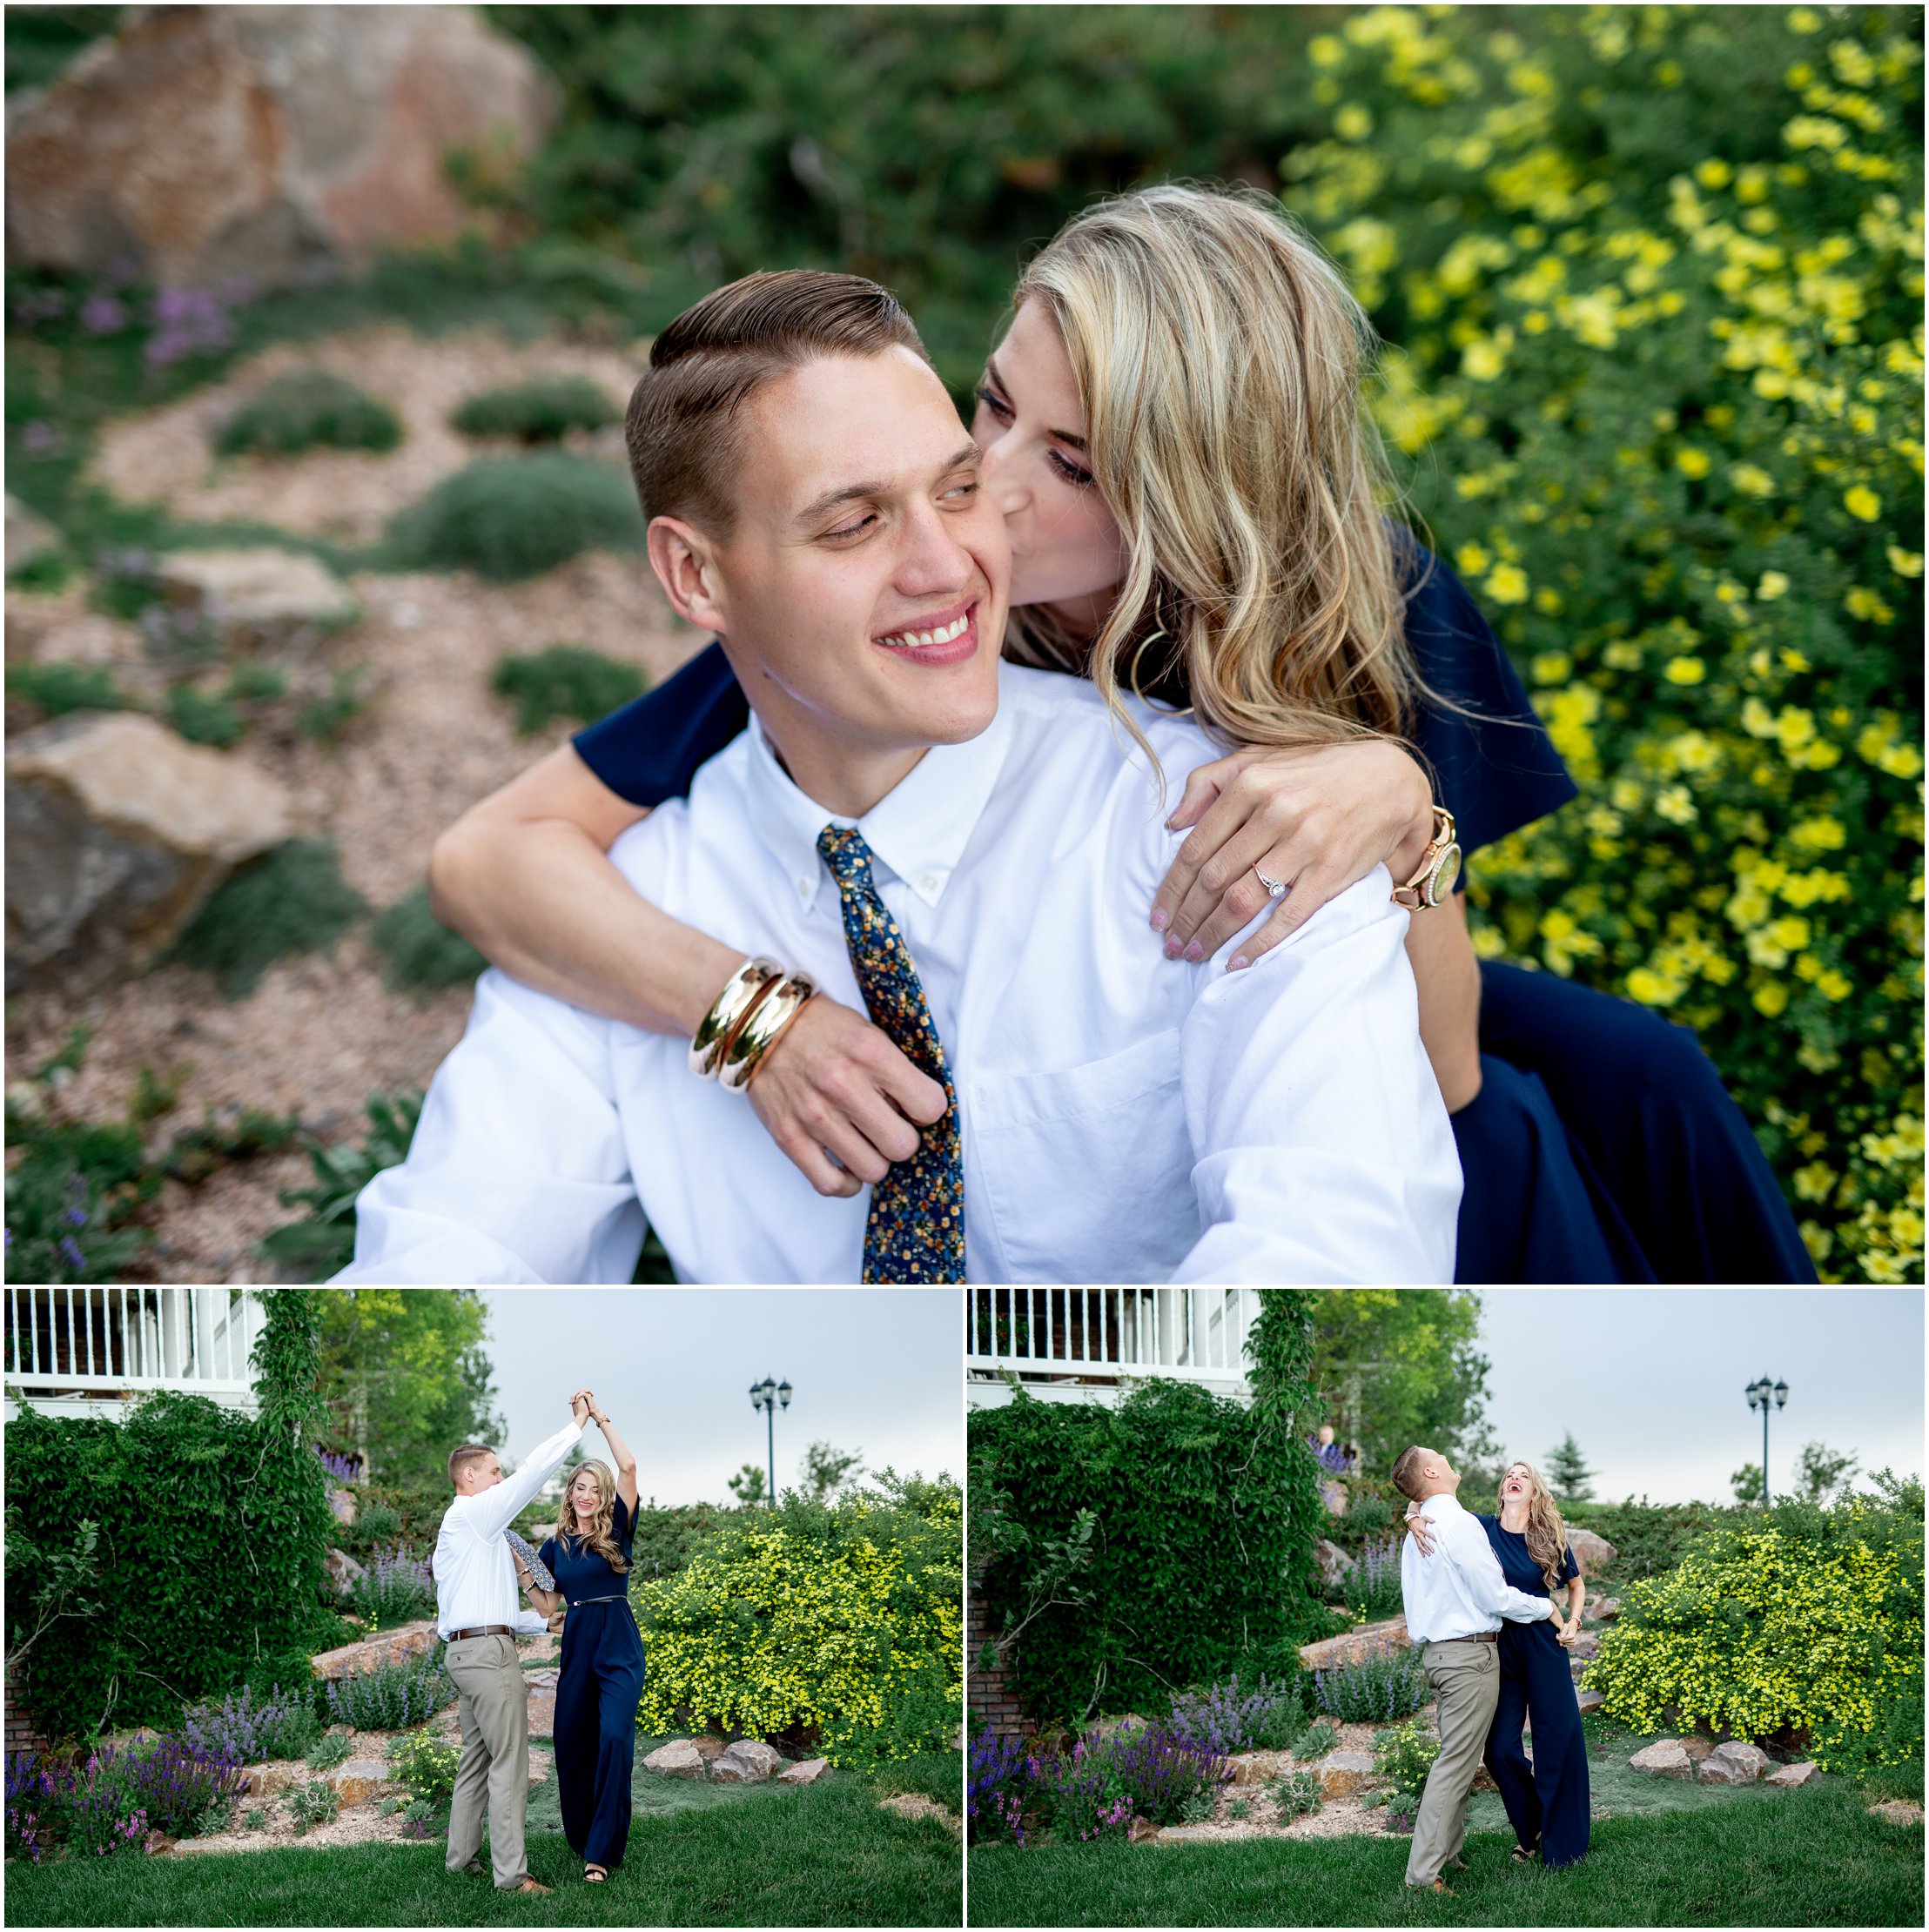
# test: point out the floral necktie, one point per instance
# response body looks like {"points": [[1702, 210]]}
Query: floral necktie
{"points": [[916, 1232]]}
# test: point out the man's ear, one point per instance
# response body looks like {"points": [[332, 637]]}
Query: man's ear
{"points": [[685, 562]]}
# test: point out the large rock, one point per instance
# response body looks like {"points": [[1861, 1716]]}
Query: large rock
{"points": [[1590, 1700], [1746, 1761], [358, 1780], [1334, 1561], [342, 1571], [28, 536], [275, 1774], [342, 1506], [1606, 1609], [806, 1773], [677, 1759], [1787, 1777], [1343, 1772], [393, 1646], [1592, 1552], [257, 599], [1698, 1748], [276, 145], [118, 830], [1898, 1811], [1665, 1758], [1259, 1767], [1351, 1643], [746, 1761]]}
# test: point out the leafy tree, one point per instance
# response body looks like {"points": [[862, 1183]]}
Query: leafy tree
{"points": [[826, 1469], [1568, 1472], [1397, 1366], [1822, 1474], [1746, 1482], [406, 1376], [747, 1485]]}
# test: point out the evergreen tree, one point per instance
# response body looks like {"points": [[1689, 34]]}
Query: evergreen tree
{"points": [[1567, 1473]]}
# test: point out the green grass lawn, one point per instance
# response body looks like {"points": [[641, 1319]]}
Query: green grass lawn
{"points": [[698, 1854], [1810, 1857]]}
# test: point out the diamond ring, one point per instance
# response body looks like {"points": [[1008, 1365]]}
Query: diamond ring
{"points": [[1275, 889]]}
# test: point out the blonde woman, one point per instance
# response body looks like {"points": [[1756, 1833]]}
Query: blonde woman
{"points": [[1173, 428], [601, 1678], [1547, 1796]]}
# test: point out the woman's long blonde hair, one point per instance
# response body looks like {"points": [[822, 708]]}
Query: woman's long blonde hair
{"points": [[1547, 1536], [601, 1535], [1218, 355]]}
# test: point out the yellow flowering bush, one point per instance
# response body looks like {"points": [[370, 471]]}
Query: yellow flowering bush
{"points": [[1653, 280], [1806, 1617], [845, 1618]]}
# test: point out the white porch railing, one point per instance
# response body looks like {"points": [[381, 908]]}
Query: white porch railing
{"points": [[89, 1350], [1079, 1343]]}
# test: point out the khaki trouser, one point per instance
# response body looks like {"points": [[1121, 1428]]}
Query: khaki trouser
{"points": [[494, 1708], [1466, 1681]]}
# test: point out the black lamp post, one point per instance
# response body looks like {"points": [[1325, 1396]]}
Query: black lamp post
{"points": [[1760, 1393], [767, 1395]]}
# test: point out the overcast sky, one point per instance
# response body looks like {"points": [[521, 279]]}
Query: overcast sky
{"points": [[877, 1369], [1651, 1380]]}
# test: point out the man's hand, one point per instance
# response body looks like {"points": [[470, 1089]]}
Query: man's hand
{"points": [[579, 1405], [1421, 1529]]}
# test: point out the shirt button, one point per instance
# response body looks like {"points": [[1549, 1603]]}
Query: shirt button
{"points": [[803, 888], [929, 881]]}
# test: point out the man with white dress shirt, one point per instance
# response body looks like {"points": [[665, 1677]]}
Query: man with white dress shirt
{"points": [[1455, 1599], [959, 845], [478, 1615]]}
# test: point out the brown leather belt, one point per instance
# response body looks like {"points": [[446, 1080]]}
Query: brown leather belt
{"points": [[1473, 1637], [482, 1630]]}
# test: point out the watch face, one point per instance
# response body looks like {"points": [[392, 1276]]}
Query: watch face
{"points": [[1441, 882]]}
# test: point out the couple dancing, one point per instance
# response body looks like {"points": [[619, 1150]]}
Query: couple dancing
{"points": [[1171, 490], [1480, 1594], [577, 1580]]}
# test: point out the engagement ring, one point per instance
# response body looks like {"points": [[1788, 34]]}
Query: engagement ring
{"points": [[1275, 889]]}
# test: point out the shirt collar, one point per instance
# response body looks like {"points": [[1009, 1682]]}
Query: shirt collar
{"points": [[918, 829], [1445, 1496]]}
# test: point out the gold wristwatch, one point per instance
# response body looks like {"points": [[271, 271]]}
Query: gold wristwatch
{"points": [[1439, 867]]}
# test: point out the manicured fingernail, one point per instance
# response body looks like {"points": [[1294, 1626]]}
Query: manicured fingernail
{"points": [[1237, 963], [1194, 950], [1172, 947], [1160, 919]]}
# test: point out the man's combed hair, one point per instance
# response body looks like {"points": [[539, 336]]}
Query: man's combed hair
{"points": [[681, 429], [1406, 1473], [460, 1458]]}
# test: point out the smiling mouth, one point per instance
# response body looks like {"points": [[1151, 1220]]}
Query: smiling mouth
{"points": [[939, 637]]}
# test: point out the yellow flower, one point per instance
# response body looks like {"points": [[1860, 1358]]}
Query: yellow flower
{"points": [[1772, 585], [1863, 603], [1353, 123], [1905, 563], [1507, 584], [1472, 559], [1752, 480], [1684, 670], [1692, 462], [1861, 501]]}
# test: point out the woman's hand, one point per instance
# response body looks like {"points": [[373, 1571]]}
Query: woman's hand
{"points": [[1319, 818], [835, 1082], [1421, 1529]]}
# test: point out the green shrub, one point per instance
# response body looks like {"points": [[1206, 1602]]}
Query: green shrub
{"points": [[292, 899], [426, 1765], [175, 1489], [203, 717], [322, 1243], [1295, 1795], [1205, 1559], [543, 410], [308, 409], [1382, 1684], [1798, 1618], [50, 573], [314, 1803], [327, 1751], [1403, 1756], [392, 1696], [564, 681], [1656, 278], [1315, 1741], [423, 954], [252, 683], [59, 687], [1648, 1538], [325, 719], [255, 1818], [511, 517], [843, 1618]]}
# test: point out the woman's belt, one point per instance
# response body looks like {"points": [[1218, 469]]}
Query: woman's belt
{"points": [[577, 1603]]}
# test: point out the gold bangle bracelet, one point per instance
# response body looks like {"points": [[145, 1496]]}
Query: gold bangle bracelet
{"points": [[765, 1027], [742, 991]]}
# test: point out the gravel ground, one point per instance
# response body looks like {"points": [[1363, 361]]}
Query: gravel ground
{"points": [[166, 455], [321, 1033]]}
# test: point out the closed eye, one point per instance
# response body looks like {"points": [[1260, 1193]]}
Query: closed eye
{"points": [[994, 402]]}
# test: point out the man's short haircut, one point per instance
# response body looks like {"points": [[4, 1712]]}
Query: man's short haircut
{"points": [[460, 1458], [681, 427], [1406, 1472]]}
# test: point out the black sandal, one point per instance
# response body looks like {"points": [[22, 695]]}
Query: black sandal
{"points": [[1522, 1856], [594, 1874]]}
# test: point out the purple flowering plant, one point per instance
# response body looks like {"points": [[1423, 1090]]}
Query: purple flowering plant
{"points": [[247, 1728], [1381, 1687], [1371, 1587], [1226, 1718], [997, 1781], [344, 1470], [395, 1588], [38, 1796], [392, 1697]]}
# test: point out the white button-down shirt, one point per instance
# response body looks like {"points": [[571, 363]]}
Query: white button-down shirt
{"points": [[1459, 1588], [475, 1573], [1124, 1117]]}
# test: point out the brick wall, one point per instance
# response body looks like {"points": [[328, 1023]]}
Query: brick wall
{"points": [[989, 1701], [23, 1727]]}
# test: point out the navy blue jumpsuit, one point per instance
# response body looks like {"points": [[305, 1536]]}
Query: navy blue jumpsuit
{"points": [[602, 1680], [1602, 1146], [1546, 1798]]}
